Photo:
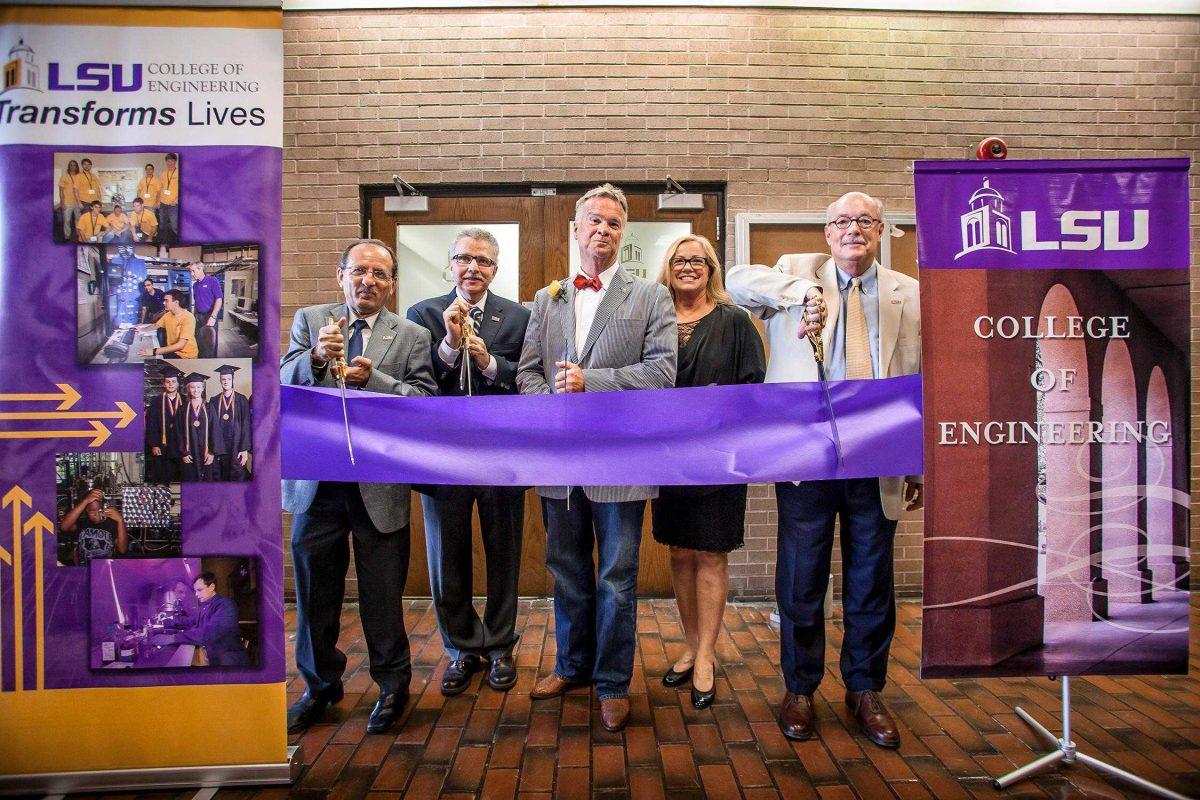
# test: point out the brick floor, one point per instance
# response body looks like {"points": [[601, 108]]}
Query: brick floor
{"points": [[957, 734]]}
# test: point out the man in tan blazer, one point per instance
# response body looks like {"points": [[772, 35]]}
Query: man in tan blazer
{"points": [[869, 320]]}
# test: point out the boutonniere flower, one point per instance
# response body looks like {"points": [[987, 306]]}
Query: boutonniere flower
{"points": [[555, 290]]}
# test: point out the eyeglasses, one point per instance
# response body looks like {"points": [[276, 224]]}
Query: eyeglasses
{"points": [[462, 259], [864, 222], [378, 274], [695, 262]]}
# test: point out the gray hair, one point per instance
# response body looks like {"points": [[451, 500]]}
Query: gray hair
{"points": [[478, 234], [874, 201], [603, 190], [382, 245]]}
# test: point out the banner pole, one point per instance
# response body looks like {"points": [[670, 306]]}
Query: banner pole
{"points": [[1066, 752]]}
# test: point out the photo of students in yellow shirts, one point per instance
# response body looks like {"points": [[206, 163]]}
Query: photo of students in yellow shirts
{"points": [[151, 179]]}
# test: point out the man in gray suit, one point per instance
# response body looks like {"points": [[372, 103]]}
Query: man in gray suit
{"points": [[603, 331], [383, 353]]}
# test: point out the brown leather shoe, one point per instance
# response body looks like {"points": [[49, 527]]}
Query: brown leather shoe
{"points": [[552, 685], [796, 716], [873, 718], [614, 713]]}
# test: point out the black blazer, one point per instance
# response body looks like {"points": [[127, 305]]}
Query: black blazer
{"points": [[502, 330]]}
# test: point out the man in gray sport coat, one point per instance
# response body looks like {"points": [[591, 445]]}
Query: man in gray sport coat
{"points": [[383, 353], [602, 331]]}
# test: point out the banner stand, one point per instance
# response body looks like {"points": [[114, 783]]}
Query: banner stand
{"points": [[200, 777], [1066, 753]]}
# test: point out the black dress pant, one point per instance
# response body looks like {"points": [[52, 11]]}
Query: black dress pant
{"points": [[448, 544], [162, 469], [806, 516], [206, 336], [321, 555]]}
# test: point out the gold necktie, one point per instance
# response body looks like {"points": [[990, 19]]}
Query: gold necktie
{"points": [[858, 341]]}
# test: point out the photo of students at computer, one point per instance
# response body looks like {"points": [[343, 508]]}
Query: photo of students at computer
{"points": [[146, 301]]}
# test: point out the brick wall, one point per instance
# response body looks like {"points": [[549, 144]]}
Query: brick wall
{"points": [[789, 107]]}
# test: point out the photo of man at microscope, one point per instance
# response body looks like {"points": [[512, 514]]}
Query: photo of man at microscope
{"points": [[138, 301], [174, 613]]}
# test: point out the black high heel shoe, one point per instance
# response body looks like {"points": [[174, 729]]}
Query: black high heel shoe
{"points": [[675, 679]]}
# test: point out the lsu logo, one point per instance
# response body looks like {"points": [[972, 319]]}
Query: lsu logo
{"points": [[94, 77], [986, 226]]}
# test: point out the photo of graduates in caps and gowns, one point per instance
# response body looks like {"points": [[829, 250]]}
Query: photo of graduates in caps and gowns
{"points": [[199, 420]]}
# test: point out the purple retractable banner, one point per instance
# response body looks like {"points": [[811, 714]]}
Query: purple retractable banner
{"points": [[140, 177], [1056, 329]]}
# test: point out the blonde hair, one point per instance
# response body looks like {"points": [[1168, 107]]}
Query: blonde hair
{"points": [[714, 289]]}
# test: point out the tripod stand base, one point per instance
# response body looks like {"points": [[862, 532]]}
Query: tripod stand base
{"points": [[1066, 753]]}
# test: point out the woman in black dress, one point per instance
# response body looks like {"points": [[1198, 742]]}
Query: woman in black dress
{"points": [[718, 344]]}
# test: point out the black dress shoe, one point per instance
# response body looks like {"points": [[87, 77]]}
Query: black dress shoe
{"points": [[310, 707], [458, 674], [386, 711], [673, 679], [502, 675]]}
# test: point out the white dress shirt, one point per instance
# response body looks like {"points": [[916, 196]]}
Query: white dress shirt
{"points": [[450, 357], [587, 302], [366, 332]]}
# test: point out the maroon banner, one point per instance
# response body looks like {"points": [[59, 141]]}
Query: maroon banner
{"points": [[1056, 418]]}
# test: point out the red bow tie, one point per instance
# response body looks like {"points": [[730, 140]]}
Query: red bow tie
{"points": [[583, 282]]}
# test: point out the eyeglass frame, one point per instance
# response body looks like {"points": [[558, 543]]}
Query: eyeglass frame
{"points": [[691, 262], [361, 272], [872, 222], [464, 259]]}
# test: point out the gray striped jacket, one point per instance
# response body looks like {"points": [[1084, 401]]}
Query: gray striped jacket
{"points": [[632, 344]]}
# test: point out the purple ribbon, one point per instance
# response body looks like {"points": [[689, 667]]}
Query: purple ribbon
{"points": [[704, 435]]}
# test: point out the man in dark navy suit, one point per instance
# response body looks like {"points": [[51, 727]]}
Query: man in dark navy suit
{"points": [[491, 355]]}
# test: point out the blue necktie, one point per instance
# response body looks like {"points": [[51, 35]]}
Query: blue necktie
{"points": [[355, 347]]}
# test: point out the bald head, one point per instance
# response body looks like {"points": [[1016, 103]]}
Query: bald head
{"points": [[853, 229], [367, 274], [876, 204]]}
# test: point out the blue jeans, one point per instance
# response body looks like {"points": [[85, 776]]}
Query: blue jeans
{"points": [[595, 620], [806, 515]]}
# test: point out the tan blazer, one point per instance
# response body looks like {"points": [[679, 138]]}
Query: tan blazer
{"points": [[776, 296]]}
